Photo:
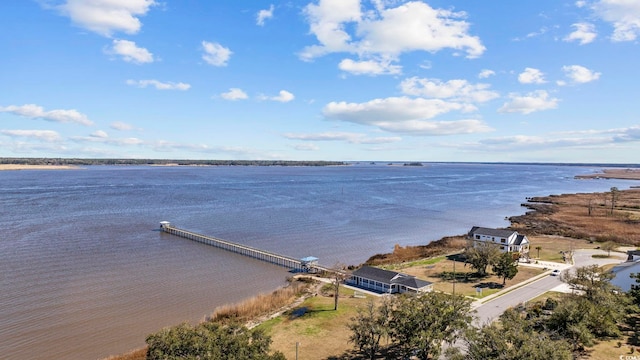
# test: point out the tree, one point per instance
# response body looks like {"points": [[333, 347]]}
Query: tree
{"points": [[591, 280], [420, 323], [505, 267], [594, 312], [514, 339], [538, 248], [608, 246], [369, 326], [614, 197], [480, 255], [210, 341], [634, 292], [338, 276]]}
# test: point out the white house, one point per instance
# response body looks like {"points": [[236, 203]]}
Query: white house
{"points": [[507, 240], [385, 281]]}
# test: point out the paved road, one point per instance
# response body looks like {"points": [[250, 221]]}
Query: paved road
{"points": [[492, 309]]}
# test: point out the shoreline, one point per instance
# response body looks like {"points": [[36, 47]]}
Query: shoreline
{"points": [[15, 167], [620, 174]]}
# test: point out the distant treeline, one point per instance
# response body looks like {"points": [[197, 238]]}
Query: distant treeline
{"points": [[68, 161]]}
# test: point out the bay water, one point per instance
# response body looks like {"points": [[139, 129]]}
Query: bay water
{"points": [[85, 273]]}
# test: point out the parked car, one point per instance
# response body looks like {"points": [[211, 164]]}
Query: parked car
{"points": [[555, 272]]}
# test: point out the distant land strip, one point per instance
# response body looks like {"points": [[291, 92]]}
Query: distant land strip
{"points": [[162, 162]]}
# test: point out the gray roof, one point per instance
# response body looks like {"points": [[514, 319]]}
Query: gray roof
{"points": [[377, 274], [412, 282], [503, 233], [520, 239], [390, 277]]}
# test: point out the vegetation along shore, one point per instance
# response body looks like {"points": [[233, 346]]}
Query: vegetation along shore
{"points": [[302, 318]]}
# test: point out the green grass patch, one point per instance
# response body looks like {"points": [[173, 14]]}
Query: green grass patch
{"points": [[270, 324]]}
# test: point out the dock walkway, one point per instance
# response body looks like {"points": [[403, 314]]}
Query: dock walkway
{"points": [[307, 264]]}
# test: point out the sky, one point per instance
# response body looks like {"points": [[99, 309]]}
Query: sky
{"points": [[345, 80]]}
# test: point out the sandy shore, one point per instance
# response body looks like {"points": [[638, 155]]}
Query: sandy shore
{"points": [[37, 167], [625, 174]]}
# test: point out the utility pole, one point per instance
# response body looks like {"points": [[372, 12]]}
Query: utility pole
{"points": [[454, 276]]}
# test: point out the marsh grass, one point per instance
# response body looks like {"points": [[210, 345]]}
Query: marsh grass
{"points": [[259, 305]]}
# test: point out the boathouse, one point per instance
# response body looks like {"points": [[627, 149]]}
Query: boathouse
{"points": [[385, 281]]}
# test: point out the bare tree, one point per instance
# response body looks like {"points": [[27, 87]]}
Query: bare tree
{"points": [[608, 246], [614, 197], [338, 275]]}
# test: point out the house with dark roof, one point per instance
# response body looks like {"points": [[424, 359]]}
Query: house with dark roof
{"points": [[506, 240], [385, 281]]}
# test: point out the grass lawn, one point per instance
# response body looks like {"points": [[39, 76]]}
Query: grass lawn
{"points": [[319, 331], [466, 282], [551, 246]]}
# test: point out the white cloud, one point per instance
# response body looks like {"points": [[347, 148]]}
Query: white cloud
{"points": [[130, 52], [37, 112], [485, 73], [352, 138], [306, 147], [531, 76], [103, 138], [264, 15], [215, 54], [532, 102], [592, 139], [107, 16], [234, 94], [159, 85], [624, 15], [369, 67], [580, 74], [584, 33], [581, 3], [43, 135], [459, 90], [100, 134], [405, 115], [527, 143], [121, 126], [327, 22], [385, 33], [283, 96]]}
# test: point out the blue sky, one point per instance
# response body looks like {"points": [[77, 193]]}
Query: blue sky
{"points": [[502, 80]]}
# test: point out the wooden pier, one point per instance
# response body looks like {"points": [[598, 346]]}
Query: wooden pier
{"points": [[308, 264]]}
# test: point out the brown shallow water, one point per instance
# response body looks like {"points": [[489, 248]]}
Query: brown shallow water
{"points": [[84, 272], [90, 307]]}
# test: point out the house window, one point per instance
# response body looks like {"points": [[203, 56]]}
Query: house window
{"points": [[503, 240], [501, 247], [477, 237]]}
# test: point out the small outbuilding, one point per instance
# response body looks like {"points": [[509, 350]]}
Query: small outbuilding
{"points": [[385, 281]]}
